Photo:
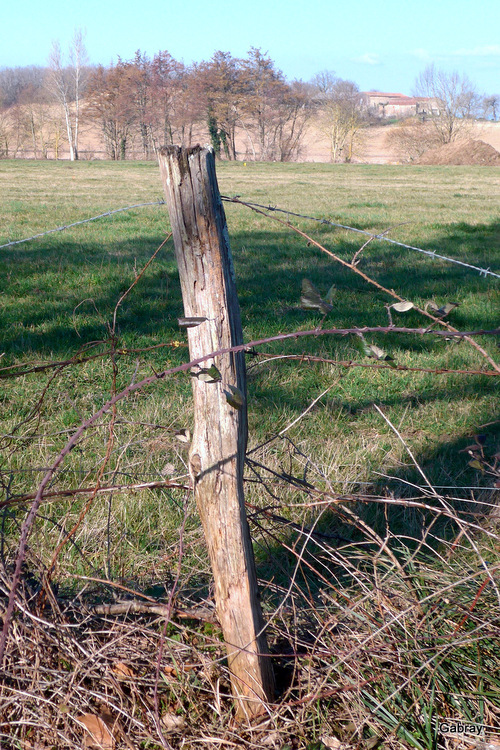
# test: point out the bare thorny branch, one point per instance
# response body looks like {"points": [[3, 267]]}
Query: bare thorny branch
{"points": [[381, 236]]}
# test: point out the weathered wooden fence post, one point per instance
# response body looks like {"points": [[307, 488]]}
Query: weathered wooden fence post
{"points": [[220, 432]]}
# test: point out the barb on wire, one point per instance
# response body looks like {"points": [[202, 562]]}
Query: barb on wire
{"points": [[82, 221], [432, 253]]}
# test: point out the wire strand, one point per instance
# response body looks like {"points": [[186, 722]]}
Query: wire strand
{"points": [[83, 221], [432, 253]]}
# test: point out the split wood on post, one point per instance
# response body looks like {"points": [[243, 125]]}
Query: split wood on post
{"points": [[220, 433]]}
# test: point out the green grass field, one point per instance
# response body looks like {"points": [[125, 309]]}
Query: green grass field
{"points": [[383, 434]]}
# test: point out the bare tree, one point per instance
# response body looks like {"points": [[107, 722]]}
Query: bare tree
{"points": [[456, 98], [341, 113], [25, 117], [30, 126], [491, 106], [274, 112], [66, 83], [5, 130], [139, 84], [172, 106], [218, 87], [295, 111], [15, 82], [111, 103]]}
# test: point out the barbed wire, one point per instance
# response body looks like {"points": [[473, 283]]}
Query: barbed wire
{"points": [[82, 221], [432, 253], [236, 199]]}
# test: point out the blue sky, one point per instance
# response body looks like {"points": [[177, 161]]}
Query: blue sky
{"points": [[379, 45]]}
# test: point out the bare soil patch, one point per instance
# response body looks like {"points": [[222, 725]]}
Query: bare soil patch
{"points": [[467, 152]]}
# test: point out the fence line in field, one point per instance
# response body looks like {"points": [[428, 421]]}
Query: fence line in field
{"points": [[236, 199]]}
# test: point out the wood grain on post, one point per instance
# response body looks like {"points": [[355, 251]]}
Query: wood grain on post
{"points": [[220, 432]]}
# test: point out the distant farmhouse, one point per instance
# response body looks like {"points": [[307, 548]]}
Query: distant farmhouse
{"points": [[383, 105]]}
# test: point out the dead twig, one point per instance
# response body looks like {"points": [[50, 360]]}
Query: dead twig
{"points": [[132, 606]]}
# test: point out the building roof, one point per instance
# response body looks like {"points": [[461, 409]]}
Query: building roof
{"points": [[398, 99], [405, 100], [387, 95]]}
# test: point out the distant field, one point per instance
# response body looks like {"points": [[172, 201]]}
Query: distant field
{"points": [[58, 297]]}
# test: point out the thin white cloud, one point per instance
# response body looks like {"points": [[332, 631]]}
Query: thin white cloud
{"points": [[369, 58], [422, 54], [486, 50]]}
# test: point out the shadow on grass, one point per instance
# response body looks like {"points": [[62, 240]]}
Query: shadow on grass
{"points": [[60, 294]]}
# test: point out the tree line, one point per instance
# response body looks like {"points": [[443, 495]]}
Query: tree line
{"points": [[160, 101], [244, 106], [142, 104]]}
